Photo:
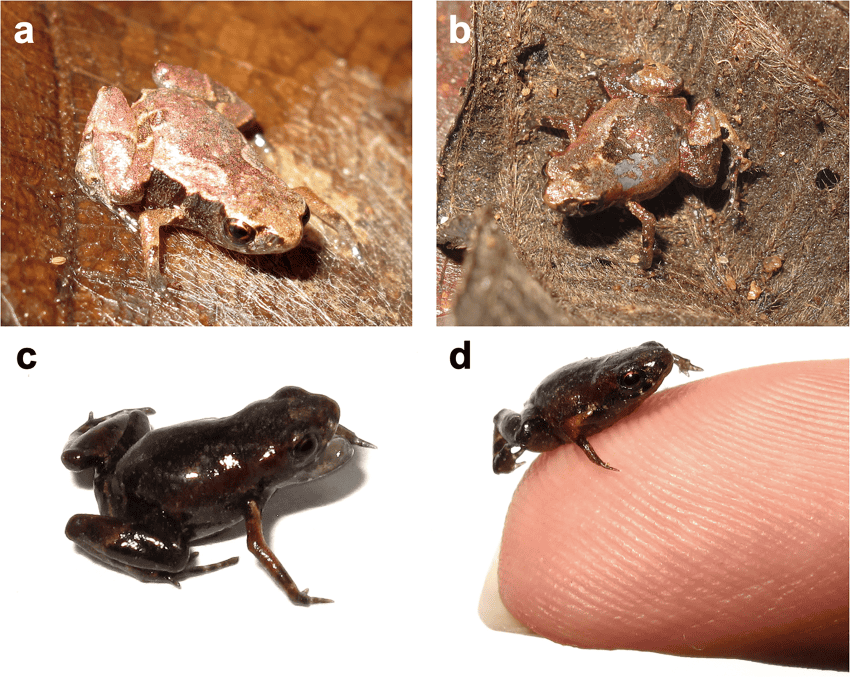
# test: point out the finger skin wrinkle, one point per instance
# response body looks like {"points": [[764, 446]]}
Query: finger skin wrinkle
{"points": [[725, 529]]}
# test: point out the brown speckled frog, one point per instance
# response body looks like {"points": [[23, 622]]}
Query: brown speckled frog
{"points": [[582, 399], [177, 157], [637, 144], [160, 490]]}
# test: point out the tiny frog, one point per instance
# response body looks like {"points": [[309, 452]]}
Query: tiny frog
{"points": [[160, 490], [636, 145], [580, 400], [177, 157]]}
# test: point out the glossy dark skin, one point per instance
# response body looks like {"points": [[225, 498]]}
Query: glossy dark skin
{"points": [[582, 399], [159, 490]]}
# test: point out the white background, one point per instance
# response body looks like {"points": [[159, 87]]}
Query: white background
{"points": [[401, 539]]}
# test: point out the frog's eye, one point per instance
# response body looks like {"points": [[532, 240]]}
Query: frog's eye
{"points": [[239, 231], [589, 206], [632, 379], [305, 217], [305, 448]]}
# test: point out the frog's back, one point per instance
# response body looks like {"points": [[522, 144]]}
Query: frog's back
{"points": [[186, 127], [192, 467]]}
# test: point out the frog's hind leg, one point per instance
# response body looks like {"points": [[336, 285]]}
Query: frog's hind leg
{"points": [[117, 166], [504, 459], [200, 569], [506, 425], [738, 163], [705, 140], [201, 86], [132, 548], [261, 550], [101, 440]]}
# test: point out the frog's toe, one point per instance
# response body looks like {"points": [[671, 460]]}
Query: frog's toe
{"points": [[305, 600], [505, 461]]}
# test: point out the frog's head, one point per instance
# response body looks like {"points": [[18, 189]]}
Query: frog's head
{"points": [[264, 222], [316, 444], [579, 188], [623, 380]]}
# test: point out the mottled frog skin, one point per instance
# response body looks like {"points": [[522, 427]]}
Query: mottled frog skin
{"points": [[635, 145], [160, 490], [177, 157], [580, 400]]}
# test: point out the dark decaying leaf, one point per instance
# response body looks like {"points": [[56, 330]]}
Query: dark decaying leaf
{"points": [[778, 70], [331, 95]]}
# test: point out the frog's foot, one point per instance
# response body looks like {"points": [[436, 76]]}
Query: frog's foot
{"points": [[504, 460], [591, 454], [685, 365], [93, 422], [201, 569], [161, 285], [303, 599], [153, 576]]}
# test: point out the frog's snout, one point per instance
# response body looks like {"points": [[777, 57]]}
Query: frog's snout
{"points": [[337, 453], [569, 198]]}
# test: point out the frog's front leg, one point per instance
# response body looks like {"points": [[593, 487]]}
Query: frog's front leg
{"points": [[101, 442], [581, 441], [261, 550], [150, 222], [648, 222], [115, 158]]}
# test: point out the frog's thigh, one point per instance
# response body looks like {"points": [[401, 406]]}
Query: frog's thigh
{"points": [[123, 544], [122, 163]]}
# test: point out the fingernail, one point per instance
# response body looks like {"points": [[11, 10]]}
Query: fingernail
{"points": [[492, 611]]}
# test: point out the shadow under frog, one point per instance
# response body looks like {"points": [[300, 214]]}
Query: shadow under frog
{"points": [[159, 491]]}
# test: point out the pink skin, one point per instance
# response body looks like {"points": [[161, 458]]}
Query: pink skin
{"points": [[724, 535]]}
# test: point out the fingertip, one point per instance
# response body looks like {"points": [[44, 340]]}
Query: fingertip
{"points": [[492, 610]]}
